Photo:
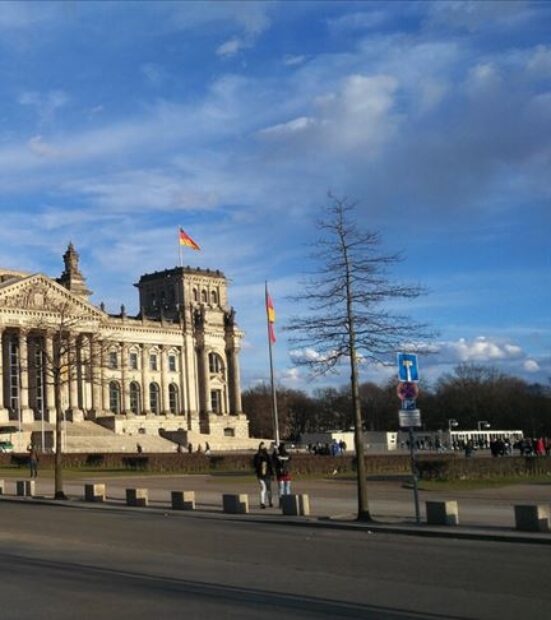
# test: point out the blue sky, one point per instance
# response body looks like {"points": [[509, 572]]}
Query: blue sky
{"points": [[121, 121]]}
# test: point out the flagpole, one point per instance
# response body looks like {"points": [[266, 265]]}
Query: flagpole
{"points": [[274, 395], [179, 246]]}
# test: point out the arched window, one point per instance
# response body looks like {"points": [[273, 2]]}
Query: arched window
{"points": [[216, 365], [204, 296], [154, 400], [135, 398], [195, 295], [213, 298], [114, 397], [173, 399]]}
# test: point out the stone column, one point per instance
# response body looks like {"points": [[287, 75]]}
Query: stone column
{"points": [[165, 401], [95, 377], [50, 389], [104, 382], [233, 381], [145, 380], [205, 383], [4, 413], [74, 412], [125, 392], [27, 414]]}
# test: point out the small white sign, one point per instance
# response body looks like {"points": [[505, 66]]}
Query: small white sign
{"points": [[409, 418]]}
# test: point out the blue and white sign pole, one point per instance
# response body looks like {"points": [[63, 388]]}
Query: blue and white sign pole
{"points": [[408, 370], [408, 373]]}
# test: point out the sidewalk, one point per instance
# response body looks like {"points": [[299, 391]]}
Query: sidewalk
{"points": [[338, 522]]}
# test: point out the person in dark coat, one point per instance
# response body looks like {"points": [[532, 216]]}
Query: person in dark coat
{"points": [[264, 470], [33, 461]]}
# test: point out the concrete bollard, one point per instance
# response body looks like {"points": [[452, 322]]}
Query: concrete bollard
{"points": [[136, 497], [25, 488], [442, 513], [295, 505], [236, 504], [183, 500], [94, 492], [532, 518]]}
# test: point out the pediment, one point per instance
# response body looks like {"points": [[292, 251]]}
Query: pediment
{"points": [[40, 293]]}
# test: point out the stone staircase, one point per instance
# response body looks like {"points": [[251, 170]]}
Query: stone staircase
{"points": [[91, 437]]}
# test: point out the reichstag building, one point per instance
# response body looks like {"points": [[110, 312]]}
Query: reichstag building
{"points": [[167, 376]]}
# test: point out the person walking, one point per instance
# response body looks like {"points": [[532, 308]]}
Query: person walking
{"points": [[264, 470], [283, 472], [33, 461]]}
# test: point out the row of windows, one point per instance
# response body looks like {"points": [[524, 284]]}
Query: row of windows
{"points": [[135, 398], [133, 361], [205, 296]]}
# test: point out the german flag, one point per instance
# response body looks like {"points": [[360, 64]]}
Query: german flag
{"points": [[187, 241], [270, 313]]}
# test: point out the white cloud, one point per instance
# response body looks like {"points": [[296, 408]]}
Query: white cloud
{"points": [[531, 366], [293, 61], [539, 62], [290, 127], [231, 47], [480, 349]]}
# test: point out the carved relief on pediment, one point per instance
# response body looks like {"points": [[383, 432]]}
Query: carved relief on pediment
{"points": [[39, 296]]}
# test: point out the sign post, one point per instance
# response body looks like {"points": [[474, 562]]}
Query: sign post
{"points": [[409, 416]]}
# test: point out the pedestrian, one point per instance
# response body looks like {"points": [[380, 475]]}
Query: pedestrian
{"points": [[33, 461], [283, 472], [139, 448], [207, 448], [263, 467]]}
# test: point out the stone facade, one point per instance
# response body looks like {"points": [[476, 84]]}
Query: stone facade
{"points": [[172, 368]]}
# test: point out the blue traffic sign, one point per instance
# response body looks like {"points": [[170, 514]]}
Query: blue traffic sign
{"points": [[408, 371]]}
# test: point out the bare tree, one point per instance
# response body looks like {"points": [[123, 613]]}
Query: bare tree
{"points": [[346, 319], [63, 361]]}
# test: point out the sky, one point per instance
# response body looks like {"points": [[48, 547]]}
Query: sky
{"points": [[121, 121]]}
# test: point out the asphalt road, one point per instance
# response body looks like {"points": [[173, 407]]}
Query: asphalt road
{"points": [[60, 562]]}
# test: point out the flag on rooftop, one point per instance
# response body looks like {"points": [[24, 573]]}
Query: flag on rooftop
{"points": [[187, 241]]}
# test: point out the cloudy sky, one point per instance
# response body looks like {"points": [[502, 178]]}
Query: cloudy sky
{"points": [[121, 121]]}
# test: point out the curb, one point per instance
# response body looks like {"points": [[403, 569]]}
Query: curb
{"points": [[457, 533]]}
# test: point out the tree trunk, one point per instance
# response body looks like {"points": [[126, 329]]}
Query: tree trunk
{"points": [[58, 492]]}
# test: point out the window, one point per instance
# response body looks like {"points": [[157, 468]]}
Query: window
{"points": [[154, 400], [133, 361], [173, 398], [172, 363], [14, 373], [135, 398], [195, 295], [114, 397], [204, 296], [214, 297], [216, 365], [113, 360], [229, 432], [153, 362], [216, 400]]}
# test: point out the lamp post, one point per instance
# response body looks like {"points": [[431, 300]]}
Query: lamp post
{"points": [[483, 424]]}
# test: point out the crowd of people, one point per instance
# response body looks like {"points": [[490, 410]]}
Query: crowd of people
{"points": [[335, 448]]}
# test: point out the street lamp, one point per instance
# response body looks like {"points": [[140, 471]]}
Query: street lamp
{"points": [[483, 424], [453, 423]]}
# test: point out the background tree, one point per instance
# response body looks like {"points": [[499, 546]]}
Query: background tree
{"points": [[62, 361], [347, 319]]}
